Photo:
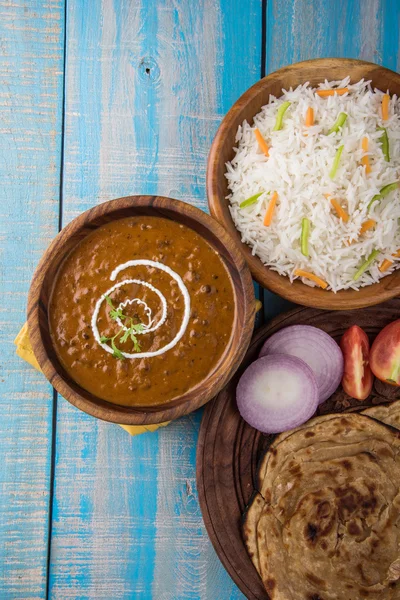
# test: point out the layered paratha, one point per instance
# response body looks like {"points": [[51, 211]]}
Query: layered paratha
{"points": [[387, 413], [324, 523]]}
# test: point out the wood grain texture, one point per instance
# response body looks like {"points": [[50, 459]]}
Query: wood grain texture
{"points": [[221, 152], [302, 30], [229, 450], [76, 231], [31, 67], [147, 83]]}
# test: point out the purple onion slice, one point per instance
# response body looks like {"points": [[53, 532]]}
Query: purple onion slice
{"points": [[316, 348], [277, 393]]}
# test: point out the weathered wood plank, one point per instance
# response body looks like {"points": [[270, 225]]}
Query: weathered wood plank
{"points": [[32, 49], [305, 29], [147, 84]]}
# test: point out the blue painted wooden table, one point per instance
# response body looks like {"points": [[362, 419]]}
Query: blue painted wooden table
{"points": [[100, 99]]}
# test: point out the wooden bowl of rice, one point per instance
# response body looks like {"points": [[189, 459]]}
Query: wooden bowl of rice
{"points": [[248, 105]]}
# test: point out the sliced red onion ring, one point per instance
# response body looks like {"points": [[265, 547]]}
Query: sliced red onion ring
{"points": [[277, 393], [316, 348]]}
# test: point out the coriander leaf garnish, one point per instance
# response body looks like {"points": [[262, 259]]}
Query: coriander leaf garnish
{"points": [[116, 352], [125, 336], [117, 314], [109, 301], [125, 333], [135, 343]]}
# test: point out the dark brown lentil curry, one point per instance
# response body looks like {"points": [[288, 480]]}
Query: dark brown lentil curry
{"points": [[84, 277]]}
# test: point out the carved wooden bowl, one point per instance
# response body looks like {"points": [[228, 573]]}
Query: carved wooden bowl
{"points": [[248, 105], [69, 237]]}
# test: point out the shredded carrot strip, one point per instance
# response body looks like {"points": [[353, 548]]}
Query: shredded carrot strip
{"points": [[388, 263], [309, 117], [325, 93], [385, 107], [342, 214], [385, 265], [365, 159], [261, 142], [314, 278], [368, 224], [270, 210], [327, 196]]}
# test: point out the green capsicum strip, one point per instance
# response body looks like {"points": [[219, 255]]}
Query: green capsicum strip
{"points": [[340, 121], [336, 162], [251, 200], [390, 187], [366, 264], [385, 143], [305, 233], [279, 117]]}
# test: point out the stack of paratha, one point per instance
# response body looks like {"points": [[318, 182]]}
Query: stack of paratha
{"points": [[324, 523], [387, 413]]}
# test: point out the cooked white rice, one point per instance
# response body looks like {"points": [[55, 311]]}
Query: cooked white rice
{"points": [[300, 160]]}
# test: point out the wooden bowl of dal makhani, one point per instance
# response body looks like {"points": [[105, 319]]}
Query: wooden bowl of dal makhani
{"points": [[306, 180], [141, 310]]}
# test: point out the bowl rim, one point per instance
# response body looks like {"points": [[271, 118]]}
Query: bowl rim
{"points": [[296, 292], [240, 339]]}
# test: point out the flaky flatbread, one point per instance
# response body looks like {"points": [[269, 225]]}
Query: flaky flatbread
{"points": [[387, 413], [325, 521]]}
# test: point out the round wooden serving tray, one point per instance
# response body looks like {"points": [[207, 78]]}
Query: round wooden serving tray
{"points": [[229, 450]]}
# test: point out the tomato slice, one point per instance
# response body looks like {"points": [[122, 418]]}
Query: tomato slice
{"points": [[357, 376], [385, 354]]}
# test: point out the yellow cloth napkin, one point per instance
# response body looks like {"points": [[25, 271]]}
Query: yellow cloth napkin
{"points": [[24, 350]]}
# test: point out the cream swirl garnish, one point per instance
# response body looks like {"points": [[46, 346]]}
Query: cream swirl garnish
{"points": [[147, 310], [147, 328]]}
